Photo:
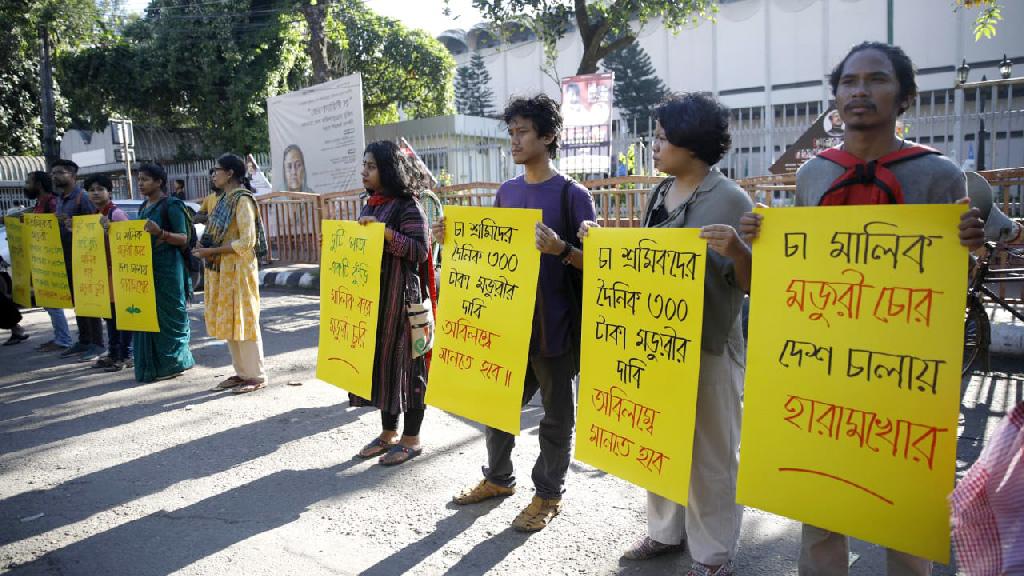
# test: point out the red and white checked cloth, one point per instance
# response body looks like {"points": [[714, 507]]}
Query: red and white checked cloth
{"points": [[988, 505]]}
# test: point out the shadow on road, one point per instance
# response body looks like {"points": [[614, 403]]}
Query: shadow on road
{"points": [[84, 496]]}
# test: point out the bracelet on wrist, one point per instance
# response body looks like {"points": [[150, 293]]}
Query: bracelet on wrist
{"points": [[566, 253]]}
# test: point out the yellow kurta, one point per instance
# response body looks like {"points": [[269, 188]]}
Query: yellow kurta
{"points": [[232, 294]]}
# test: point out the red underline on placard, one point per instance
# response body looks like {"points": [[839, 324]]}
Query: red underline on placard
{"points": [[346, 362], [843, 480]]}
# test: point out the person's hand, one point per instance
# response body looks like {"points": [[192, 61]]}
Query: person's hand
{"points": [[723, 239], [105, 222], [201, 218], [548, 241], [750, 225], [364, 220], [204, 253], [437, 230], [152, 228], [972, 227], [585, 227]]}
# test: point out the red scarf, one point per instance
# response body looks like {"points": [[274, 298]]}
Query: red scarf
{"points": [[379, 199], [110, 207]]}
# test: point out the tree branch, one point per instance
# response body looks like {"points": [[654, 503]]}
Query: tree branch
{"points": [[583, 20], [616, 45]]}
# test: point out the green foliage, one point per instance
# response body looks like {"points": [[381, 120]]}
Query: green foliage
{"points": [[72, 24], [604, 25], [473, 94], [211, 66], [989, 16], [637, 87]]}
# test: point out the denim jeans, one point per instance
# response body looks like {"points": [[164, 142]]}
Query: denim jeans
{"points": [[556, 379], [61, 332]]}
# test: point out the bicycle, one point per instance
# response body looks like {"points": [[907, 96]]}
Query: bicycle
{"points": [[977, 327]]}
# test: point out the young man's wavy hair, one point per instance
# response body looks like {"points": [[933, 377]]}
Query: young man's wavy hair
{"points": [[543, 112]]}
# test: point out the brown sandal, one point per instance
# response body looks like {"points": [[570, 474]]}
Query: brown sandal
{"points": [[246, 386], [229, 383]]}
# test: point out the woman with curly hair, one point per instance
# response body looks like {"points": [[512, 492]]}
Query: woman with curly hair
{"points": [[399, 375], [692, 135]]}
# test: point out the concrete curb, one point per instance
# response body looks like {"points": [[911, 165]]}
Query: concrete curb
{"points": [[297, 278]]}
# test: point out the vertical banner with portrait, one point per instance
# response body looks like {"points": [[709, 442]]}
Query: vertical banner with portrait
{"points": [[316, 137], [586, 124]]}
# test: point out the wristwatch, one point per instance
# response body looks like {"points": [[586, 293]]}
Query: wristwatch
{"points": [[564, 256]]}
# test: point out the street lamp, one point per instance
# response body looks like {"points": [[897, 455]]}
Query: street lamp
{"points": [[961, 73], [1005, 67]]}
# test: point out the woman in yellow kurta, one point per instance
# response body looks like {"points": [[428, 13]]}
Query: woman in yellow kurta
{"points": [[230, 246]]}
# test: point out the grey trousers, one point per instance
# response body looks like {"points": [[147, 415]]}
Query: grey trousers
{"points": [[556, 380]]}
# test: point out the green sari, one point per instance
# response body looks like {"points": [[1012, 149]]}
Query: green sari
{"points": [[164, 353]]}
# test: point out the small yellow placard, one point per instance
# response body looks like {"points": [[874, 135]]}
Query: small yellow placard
{"points": [[643, 308], [49, 276], [853, 374], [89, 267], [350, 268], [485, 314], [21, 263], [131, 257]]}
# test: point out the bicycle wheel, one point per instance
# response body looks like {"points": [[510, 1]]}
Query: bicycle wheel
{"points": [[977, 337]]}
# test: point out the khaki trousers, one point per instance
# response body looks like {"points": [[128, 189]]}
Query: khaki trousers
{"points": [[824, 553], [247, 358], [711, 523]]}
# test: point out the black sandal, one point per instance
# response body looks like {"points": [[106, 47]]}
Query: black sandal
{"points": [[15, 339], [399, 455]]}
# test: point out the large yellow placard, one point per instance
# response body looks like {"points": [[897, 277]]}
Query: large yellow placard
{"points": [[49, 276], [643, 306], [349, 304], [853, 374], [131, 260], [21, 264], [485, 314], [89, 267]]}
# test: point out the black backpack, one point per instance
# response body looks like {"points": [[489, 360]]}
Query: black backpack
{"points": [[191, 263]]}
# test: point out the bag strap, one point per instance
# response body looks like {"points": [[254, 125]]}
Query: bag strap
{"points": [[567, 215]]}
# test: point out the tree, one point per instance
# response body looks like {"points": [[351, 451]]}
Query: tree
{"points": [[637, 87], [211, 66], [604, 25], [989, 15], [71, 24], [473, 94]]}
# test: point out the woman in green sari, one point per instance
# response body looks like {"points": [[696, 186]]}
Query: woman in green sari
{"points": [[165, 354]]}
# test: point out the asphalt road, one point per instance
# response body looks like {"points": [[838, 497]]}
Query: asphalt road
{"points": [[100, 475]]}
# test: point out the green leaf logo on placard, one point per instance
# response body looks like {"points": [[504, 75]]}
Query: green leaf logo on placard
{"points": [[133, 310]]}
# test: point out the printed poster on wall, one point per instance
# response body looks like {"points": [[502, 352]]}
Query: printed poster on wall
{"points": [[586, 146], [349, 304], [89, 267], [21, 264], [131, 259], [643, 310], [316, 137], [485, 314], [49, 276], [853, 371]]}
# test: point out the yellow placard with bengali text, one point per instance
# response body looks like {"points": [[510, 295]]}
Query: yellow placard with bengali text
{"points": [[21, 263], [89, 267], [350, 268], [49, 276], [643, 309], [485, 314], [131, 260], [853, 371]]}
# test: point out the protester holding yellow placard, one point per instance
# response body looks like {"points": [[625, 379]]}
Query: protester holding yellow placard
{"points": [[405, 304], [164, 354], [119, 342], [873, 85], [39, 187], [534, 125], [691, 136]]}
